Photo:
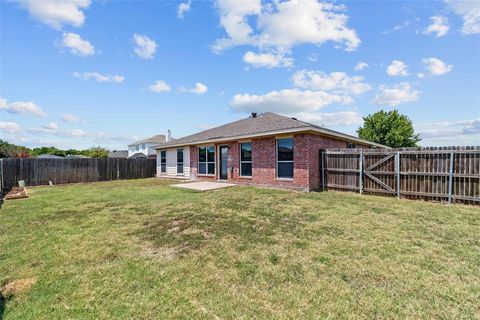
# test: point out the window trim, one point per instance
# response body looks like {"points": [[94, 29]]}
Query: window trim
{"points": [[284, 161], [161, 163], [240, 160], [182, 163], [206, 174]]}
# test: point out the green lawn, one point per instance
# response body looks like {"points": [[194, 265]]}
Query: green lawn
{"points": [[139, 249]]}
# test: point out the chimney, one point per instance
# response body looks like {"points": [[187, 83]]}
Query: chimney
{"points": [[169, 135], [254, 114]]}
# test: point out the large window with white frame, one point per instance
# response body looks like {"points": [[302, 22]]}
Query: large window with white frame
{"points": [[206, 160], [163, 161], [246, 159], [285, 158], [180, 161]]}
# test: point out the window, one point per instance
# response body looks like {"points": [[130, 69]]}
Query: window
{"points": [[179, 161], [285, 158], [143, 145], [137, 147], [246, 159], [206, 160], [163, 161], [351, 145]]}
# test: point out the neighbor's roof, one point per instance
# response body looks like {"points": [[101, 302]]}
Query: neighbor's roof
{"points": [[138, 155], [49, 156], [159, 138], [263, 124], [118, 154]]}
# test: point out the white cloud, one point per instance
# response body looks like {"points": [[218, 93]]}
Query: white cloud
{"points": [[77, 45], [268, 60], [395, 95], [68, 117], [360, 66], [436, 67], [450, 132], [421, 75], [469, 10], [331, 119], [99, 77], [398, 27], [21, 107], [277, 26], [286, 101], [182, 9], [439, 26], [51, 126], [336, 82], [397, 68], [199, 88], [56, 13], [144, 46], [10, 127], [159, 86]]}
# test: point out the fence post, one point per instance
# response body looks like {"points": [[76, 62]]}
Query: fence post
{"points": [[1, 173], [450, 180], [397, 171], [360, 171], [322, 167], [118, 169]]}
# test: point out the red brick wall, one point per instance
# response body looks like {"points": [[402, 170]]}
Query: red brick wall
{"points": [[314, 144], [306, 162]]}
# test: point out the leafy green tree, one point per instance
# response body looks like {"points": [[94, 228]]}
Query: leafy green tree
{"points": [[389, 128], [95, 152], [9, 150]]}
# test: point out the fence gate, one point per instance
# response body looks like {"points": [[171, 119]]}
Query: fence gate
{"points": [[378, 172], [442, 174]]}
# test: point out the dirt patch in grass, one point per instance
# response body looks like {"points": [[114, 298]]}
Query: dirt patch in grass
{"points": [[16, 193], [14, 287]]}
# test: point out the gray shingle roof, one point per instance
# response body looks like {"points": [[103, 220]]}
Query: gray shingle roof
{"points": [[159, 138], [262, 123]]}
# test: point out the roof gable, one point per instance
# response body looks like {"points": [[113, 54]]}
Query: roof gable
{"points": [[159, 138]]}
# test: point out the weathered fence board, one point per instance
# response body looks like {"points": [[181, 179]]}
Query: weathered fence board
{"points": [[62, 171], [450, 174]]}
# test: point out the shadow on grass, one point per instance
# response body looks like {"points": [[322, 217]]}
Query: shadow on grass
{"points": [[191, 226]]}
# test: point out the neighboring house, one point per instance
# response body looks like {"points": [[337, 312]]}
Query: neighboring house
{"points": [[146, 146], [49, 156], [137, 155], [268, 149], [118, 154], [77, 156]]}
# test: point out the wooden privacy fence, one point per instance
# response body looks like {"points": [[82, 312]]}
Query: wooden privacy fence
{"points": [[61, 171], [449, 174]]}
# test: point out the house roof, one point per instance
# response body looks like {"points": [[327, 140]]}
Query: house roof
{"points": [[263, 124], [49, 156], [159, 138], [138, 155], [118, 154]]}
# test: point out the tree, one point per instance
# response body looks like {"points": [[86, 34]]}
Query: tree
{"points": [[9, 150], [95, 152], [389, 128]]}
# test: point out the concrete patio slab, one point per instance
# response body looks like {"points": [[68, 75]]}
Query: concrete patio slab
{"points": [[203, 185]]}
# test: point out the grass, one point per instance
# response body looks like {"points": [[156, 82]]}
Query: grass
{"points": [[140, 249]]}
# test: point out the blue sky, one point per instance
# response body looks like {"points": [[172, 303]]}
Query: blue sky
{"points": [[84, 73]]}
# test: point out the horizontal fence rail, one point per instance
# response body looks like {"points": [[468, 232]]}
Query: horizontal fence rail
{"points": [[450, 174], [62, 171]]}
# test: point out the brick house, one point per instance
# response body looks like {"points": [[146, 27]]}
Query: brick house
{"points": [[266, 149]]}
